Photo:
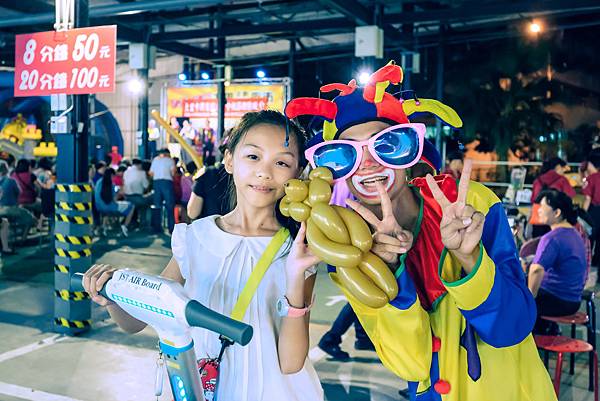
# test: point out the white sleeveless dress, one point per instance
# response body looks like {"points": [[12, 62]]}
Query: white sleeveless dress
{"points": [[216, 266]]}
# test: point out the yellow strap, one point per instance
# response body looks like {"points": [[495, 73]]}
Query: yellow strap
{"points": [[239, 310]]}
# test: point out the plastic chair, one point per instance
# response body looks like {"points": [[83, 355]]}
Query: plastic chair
{"points": [[587, 319], [562, 345]]}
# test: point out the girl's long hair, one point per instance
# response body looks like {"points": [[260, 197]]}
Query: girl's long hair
{"points": [[277, 119], [106, 192]]}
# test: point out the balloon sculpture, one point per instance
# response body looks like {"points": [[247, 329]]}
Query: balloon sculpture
{"points": [[340, 237]]}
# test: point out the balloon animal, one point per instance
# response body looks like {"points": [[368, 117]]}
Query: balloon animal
{"points": [[340, 237]]}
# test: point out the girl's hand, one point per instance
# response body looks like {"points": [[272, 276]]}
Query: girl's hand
{"points": [[95, 278], [390, 239], [300, 257], [461, 225]]}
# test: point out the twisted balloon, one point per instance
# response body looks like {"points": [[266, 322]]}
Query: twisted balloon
{"points": [[340, 237]]}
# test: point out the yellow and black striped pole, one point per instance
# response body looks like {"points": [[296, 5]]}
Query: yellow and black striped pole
{"points": [[72, 254]]}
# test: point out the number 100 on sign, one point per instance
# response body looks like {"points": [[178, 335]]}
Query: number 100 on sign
{"points": [[78, 61]]}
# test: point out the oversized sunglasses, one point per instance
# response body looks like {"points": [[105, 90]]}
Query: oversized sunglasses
{"points": [[399, 146]]}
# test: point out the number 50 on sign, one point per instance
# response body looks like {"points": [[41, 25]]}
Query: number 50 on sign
{"points": [[77, 61]]}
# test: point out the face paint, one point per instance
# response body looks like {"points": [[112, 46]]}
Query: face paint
{"points": [[365, 184]]}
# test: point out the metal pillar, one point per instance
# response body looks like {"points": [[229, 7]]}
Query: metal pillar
{"points": [[73, 211], [439, 88], [143, 112], [221, 96], [291, 66]]}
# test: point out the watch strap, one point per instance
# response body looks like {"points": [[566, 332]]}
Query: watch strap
{"points": [[297, 312]]}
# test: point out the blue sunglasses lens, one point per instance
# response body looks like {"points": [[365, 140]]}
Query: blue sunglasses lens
{"points": [[338, 157], [398, 147]]}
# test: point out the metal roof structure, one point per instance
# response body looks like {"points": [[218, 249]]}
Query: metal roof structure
{"points": [[263, 32]]}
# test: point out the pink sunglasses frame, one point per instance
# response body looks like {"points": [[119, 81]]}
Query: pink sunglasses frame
{"points": [[359, 145]]}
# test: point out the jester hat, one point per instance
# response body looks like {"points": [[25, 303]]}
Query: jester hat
{"points": [[356, 105]]}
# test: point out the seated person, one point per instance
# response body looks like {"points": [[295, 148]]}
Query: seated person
{"points": [[9, 208], [105, 195], [559, 269]]}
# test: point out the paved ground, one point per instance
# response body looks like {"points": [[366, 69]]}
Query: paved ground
{"points": [[107, 364]]}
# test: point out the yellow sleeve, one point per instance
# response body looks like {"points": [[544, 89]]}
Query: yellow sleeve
{"points": [[402, 337]]}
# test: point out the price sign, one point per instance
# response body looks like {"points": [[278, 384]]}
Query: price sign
{"points": [[77, 61]]}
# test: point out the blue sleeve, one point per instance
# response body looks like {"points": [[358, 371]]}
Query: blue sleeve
{"points": [[507, 315]]}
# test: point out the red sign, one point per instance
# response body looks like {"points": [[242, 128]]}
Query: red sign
{"points": [[235, 107], [77, 61]]}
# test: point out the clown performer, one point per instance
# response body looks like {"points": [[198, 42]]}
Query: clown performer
{"points": [[460, 327]]}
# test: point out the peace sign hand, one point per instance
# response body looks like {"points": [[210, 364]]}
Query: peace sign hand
{"points": [[389, 239], [461, 225]]}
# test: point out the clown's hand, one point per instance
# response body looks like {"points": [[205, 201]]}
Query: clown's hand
{"points": [[389, 238], [461, 225]]}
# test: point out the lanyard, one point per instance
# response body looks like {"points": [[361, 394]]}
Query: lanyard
{"points": [[239, 310]]}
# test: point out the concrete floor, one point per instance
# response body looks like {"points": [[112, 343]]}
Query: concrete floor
{"points": [[107, 364]]}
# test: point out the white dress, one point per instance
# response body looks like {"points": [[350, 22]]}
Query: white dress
{"points": [[216, 266]]}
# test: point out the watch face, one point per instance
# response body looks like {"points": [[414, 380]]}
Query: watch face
{"points": [[282, 308]]}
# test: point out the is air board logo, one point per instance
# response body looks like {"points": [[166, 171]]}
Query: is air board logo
{"points": [[141, 281]]}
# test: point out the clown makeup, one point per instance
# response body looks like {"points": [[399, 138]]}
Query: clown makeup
{"points": [[362, 183]]}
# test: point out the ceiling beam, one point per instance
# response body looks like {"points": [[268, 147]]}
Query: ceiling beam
{"points": [[249, 29], [472, 10], [27, 6], [352, 10], [111, 10]]}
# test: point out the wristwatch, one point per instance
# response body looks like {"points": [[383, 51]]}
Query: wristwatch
{"points": [[285, 309]]}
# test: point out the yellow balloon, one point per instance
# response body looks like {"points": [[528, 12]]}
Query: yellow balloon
{"points": [[296, 190], [299, 211], [284, 206], [330, 223], [339, 237], [328, 251], [323, 173], [379, 273], [319, 191], [360, 235], [361, 287]]}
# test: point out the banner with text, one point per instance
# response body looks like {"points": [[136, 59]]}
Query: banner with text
{"points": [[77, 61], [200, 102]]}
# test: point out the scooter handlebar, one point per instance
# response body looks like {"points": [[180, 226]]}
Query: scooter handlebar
{"points": [[197, 315], [77, 284]]}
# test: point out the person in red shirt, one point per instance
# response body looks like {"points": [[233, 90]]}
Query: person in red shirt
{"points": [[115, 157], [591, 190], [552, 176]]}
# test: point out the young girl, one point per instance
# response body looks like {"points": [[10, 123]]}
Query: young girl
{"points": [[214, 256]]}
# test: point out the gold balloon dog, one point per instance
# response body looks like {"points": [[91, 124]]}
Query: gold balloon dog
{"points": [[340, 237]]}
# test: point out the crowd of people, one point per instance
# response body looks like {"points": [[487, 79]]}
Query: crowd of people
{"points": [[26, 198], [143, 193]]}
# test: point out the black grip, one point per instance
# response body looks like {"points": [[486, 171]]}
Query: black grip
{"points": [[198, 315], [77, 284]]}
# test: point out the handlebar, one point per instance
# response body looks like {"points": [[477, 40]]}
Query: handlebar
{"points": [[196, 315]]}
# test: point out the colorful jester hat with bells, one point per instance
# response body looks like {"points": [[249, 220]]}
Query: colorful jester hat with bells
{"points": [[356, 105]]}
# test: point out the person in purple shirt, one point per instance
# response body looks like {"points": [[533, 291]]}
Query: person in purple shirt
{"points": [[559, 269]]}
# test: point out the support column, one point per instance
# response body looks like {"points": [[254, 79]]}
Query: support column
{"points": [[291, 66], [439, 88], [142, 74], [221, 97], [72, 232]]}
